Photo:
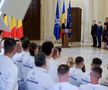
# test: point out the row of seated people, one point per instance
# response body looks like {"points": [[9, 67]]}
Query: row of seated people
{"points": [[25, 66]]}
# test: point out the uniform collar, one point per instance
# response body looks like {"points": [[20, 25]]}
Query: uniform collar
{"points": [[40, 69], [25, 52]]}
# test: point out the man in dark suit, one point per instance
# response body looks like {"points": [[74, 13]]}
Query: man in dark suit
{"points": [[65, 26], [94, 33], [99, 34]]}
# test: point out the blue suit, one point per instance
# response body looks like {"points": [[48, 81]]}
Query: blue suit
{"points": [[99, 35]]}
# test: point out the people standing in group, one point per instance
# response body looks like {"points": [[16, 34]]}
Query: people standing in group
{"points": [[94, 33]]}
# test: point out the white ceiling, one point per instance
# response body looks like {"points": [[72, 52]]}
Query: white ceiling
{"points": [[16, 8]]}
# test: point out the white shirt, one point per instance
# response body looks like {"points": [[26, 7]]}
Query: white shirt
{"points": [[92, 87], [8, 74], [39, 79], [52, 68], [104, 80], [75, 76], [18, 60], [2, 51], [86, 78], [64, 86], [28, 64]]}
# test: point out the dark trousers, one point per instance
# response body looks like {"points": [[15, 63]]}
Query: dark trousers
{"points": [[62, 39], [94, 40], [99, 41]]}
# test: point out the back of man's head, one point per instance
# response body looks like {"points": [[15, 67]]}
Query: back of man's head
{"points": [[25, 43], [79, 60], [47, 47], [63, 69], [59, 49], [96, 62], [40, 60], [96, 73], [9, 45]]}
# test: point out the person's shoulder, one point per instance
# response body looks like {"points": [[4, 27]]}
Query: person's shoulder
{"points": [[83, 86], [102, 87], [73, 87]]}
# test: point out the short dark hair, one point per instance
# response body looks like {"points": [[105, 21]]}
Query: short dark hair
{"points": [[9, 45], [32, 48], [79, 60], [47, 47], [63, 69], [98, 71], [55, 51], [40, 59], [25, 42], [59, 49], [97, 61], [1, 31]]}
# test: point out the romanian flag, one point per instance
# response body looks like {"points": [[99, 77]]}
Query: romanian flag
{"points": [[6, 34], [13, 27], [63, 17], [19, 32]]}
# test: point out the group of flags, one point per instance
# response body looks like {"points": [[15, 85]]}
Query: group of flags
{"points": [[59, 21], [14, 28]]}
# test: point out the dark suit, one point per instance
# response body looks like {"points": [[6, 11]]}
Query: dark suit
{"points": [[93, 34], [99, 35], [64, 26]]}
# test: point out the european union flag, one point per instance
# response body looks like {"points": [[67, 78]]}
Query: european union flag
{"points": [[57, 23], [69, 18]]}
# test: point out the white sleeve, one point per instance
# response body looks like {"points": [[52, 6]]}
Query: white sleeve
{"points": [[12, 78], [50, 83], [81, 88]]}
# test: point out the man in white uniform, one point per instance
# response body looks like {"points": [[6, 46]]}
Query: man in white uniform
{"points": [[8, 70], [38, 78], [96, 62], [48, 48], [29, 61], [63, 84], [95, 75], [18, 59], [76, 73]]}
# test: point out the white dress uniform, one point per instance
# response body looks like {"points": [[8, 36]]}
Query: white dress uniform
{"points": [[92, 87], [75, 76], [28, 64], [104, 80], [64, 86], [18, 60], [52, 68], [86, 78], [39, 79], [8, 74]]}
